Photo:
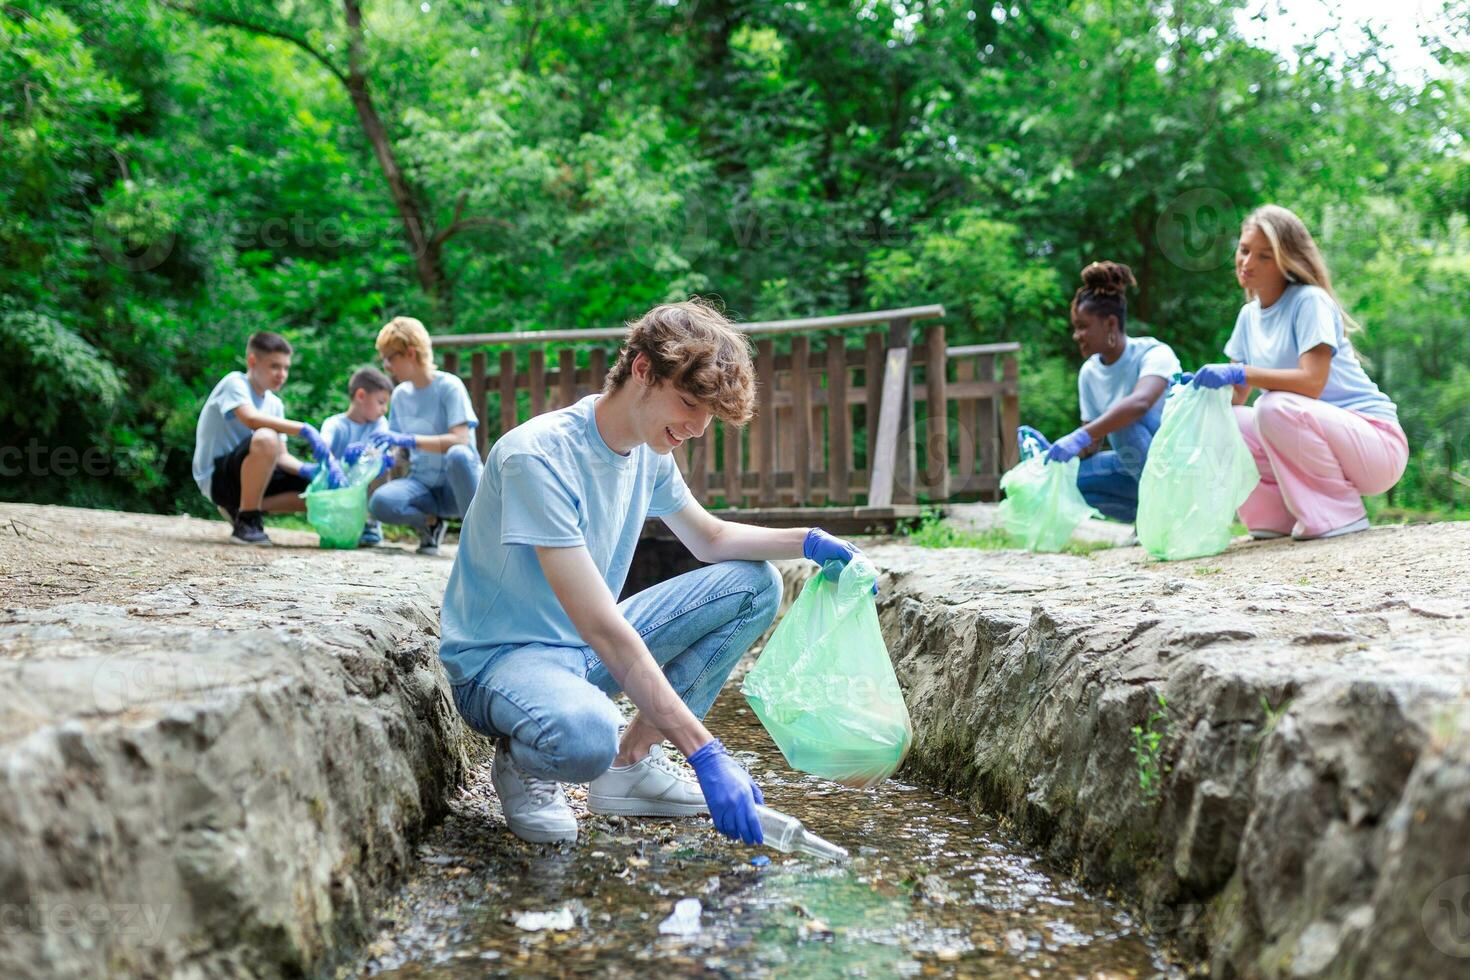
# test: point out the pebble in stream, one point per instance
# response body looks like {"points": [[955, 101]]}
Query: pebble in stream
{"points": [[932, 890]]}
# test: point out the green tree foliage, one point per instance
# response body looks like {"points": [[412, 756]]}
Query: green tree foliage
{"points": [[179, 173]]}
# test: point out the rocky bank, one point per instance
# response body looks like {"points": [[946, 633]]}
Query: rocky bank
{"points": [[214, 759], [1304, 809]]}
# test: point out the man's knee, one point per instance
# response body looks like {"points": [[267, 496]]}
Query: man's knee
{"points": [[265, 442], [589, 741], [768, 591], [382, 504]]}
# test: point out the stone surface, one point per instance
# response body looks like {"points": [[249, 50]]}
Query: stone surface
{"points": [[212, 759], [1313, 804]]}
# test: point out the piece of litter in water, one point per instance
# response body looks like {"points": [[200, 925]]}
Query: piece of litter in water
{"points": [[559, 920], [760, 860], [684, 921]]}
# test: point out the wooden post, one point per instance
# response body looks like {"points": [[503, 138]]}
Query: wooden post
{"points": [[734, 495], [936, 427], [905, 469], [969, 437], [698, 477], [838, 435], [477, 400], [538, 382], [874, 384], [765, 465], [884, 473], [599, 367], [567, 378], [508, 412], [801, 421], [988, 423], [449, 363], [1010, 411]]}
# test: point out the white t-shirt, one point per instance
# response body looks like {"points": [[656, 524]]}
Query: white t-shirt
{"points": [[1100, 386], [1306, 317], [218, 431]]}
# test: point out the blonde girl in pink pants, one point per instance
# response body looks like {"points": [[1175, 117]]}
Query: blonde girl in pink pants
{"points": [[1322, 433]]}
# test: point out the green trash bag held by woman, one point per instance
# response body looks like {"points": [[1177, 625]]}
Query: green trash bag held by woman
{"points": [[1199, 471], [1042, 506], [824, 687]]}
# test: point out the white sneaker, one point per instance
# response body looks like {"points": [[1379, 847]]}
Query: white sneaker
{"points": [[654, 786], [1361, 524], [536, 810]]}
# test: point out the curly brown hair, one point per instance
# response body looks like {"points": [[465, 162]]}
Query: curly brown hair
{"points": [[693, 346]]}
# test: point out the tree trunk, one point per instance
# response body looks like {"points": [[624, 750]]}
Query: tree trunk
{"points": [[426, 254]]}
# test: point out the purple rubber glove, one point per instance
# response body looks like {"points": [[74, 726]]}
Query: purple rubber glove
{"points": [[729, 792], [1183, 377], [335, 477], [396, 440], [1022, 431], [354, 452], [1219, 375], [307, 472], [822, 548], [387, 464], [314, 439], [1068, 446]]}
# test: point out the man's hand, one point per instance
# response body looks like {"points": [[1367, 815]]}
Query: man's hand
{"points": [[822, 548], [729, 792], [1219, 375], [313, 438], [1068, 446], [395, 440]]}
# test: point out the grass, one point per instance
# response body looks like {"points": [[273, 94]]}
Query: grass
{"points": [[1208, 570], [1148, 750], [930, 531]]}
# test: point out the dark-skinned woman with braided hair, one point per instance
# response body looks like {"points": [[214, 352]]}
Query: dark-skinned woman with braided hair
{"points": [[1120, 390]]}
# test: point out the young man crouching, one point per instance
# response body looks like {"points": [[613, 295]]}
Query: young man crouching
{"points": [[533, 638]]}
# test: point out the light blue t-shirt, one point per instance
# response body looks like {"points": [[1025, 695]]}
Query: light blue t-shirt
{"points": [[339, 431], [430, 411], [1101, 385], [552, 482], [218, 431], [1304, 317]]}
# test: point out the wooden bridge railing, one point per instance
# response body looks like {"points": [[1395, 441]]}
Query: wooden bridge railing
{"points": [[797, 451]]}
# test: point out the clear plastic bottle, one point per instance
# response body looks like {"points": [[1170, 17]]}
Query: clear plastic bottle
{"points": [[1029, 446], [786, 833]]}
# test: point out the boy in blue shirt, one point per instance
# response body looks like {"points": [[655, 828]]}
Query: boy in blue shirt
{"points": [[349, 433], [533, 638], [241, 463], [431, 416]]}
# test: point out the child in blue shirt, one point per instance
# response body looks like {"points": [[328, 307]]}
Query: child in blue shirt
{"points": [[349, 433]]}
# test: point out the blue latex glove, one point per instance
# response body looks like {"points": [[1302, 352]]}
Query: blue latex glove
{"points": [[354, 452], [387, 464], [1022, 431], [1068, 446], [397, 440], [822, 548], [335, 477], [313, 438], [1183, 377], [1219, 375], [729, 792], [308, 471]]}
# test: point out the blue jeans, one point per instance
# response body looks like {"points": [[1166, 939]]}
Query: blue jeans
{"points": [[1109, 479], [409, 501], [554, 702]]}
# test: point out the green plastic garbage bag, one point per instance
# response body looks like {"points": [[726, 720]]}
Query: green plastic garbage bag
{"points": [[338, 515], [1199, 471], [824, 687], [1043, 506]]}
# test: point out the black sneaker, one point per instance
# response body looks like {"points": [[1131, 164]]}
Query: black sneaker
{"points": [[431, 538], [250, 529]]}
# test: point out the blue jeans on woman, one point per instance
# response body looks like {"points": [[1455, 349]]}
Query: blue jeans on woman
{"points": [[1108, 479], [554, 702], [410, 501]]}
